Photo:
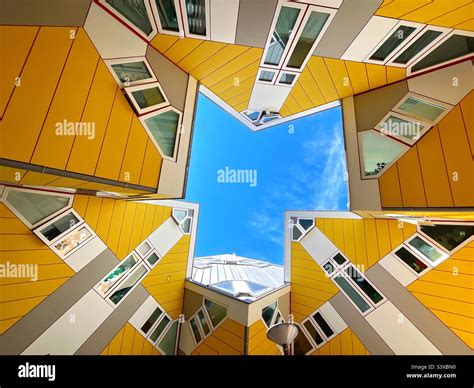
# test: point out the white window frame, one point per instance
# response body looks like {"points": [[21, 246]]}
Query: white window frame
{"points": [[244, 113], [308, 337], [275, 313], [156, 324], [119, 61], [439, 43], [124, 20], [361, 154], [8, 189], [359, 290], [272, 82], [408, 248], [447, 107], [150, 85], [184, 14], [113, 289], [418, 27], [281, 4], [208, 320], [363, 296], [320, 329], [37, 231], [331, 12], [196, 342], [164, 333], [147, 317], [262, 122], [438, 245], [444, 31], [76, 248], [280, 75], [444, 256], [427, 127], [149, 254], [214, 328], [142, 119], [180, 223], [156, 17]]}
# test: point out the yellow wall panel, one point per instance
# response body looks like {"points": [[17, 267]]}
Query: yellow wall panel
{"points": [[360, 244], [242, 87], [370, 229], [181, 48], [340, 77], [395, 74], [358, 75], [125, 233], [216, 62], [321, 75], [468, 116], [311, 88], [397, 8], [236, 79], [411, 184], [396, 233], [67, 104], [377, 75], [383, 237], [163, 42], [39, 79], [136, 234], [390, 195], [301, 97], [199, 55], [349, 244], [151, 166], [434, 10], [134, 153], [103, 223], [93, 211], [116, 226]]}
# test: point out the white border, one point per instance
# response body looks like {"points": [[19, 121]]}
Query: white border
{"points": [[444, 255], [118, 61], [41, 236], [128, 90], [430, 101]]}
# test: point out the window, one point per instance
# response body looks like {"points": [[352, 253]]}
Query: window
{"points": [[313, 332], [315, 22], [428, 251], [396, 40], [354, 296], [160, 328], [127, 285], [334, 263], [266, 76], [287, 79], [252, 115], [300, 227], [429, 36], [146, 98], [302, 345], [282, 31], [216, 312], [456, 46], [117, 274], [163, 127], [448, 236], [144, 249], [323, 325], [201, 318], [268, 313], [339, 259], [151, 320], [167, 16], [269, 117], [34, 207], [168, 342], [196, 22], [130, 71], [402, 128], [378, 152], [195, 330], [136, 13], [363, 284], [328, 267], [58, 227], [152, 259], [415, 264], [422, 108], [306, 223], [183, 218], [72, 241]]}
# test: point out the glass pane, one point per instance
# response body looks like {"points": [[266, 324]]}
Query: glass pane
{"points": [[124, 288], [266, 75], [411, 260], [313, 332], [364, 285], [216, 312], [301, 346], [278, 318], [352, 293], [328, 267], [186, 225], [151, 320], [168, 342], [144, 248], [328, 332], [135, 12], [116, 274], [164, 128], [306, 223], [421, 109], [339, 259], [179, 214], [196, 11], [153, 258], [267, 313], [398, 127], [159, 329], [310, 33], [194, 328], [296, 233], [419, 44], [426, 249], [131, 71], [72, 240], [455, 47], [281, 34], [59, 226], [35, 207], [378, 151], [167, 15], [392, 43], [146, 98], [448, 236], [287, 78], [268, 118], [203, 321]]}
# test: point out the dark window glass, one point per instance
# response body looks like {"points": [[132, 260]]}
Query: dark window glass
{"points": [[351, 293], [124, 288], [164, 129], [267, 313], [456, 46], [287, 78], [395, 40], [131, 71], [407, 257], [313, 333], [59, 226], [148, 97], [329, 268], [266, 76], [203, 321], [153, 258], [448, 236], [363, 284], [306, 223], [426, 249], [194, 328], [196, 10], [301, 345], [339, 259], [216, 312], [323, 325], [135, 12], [419, 44], [168, 342], [151, 320], [296, 233], [167, 15], [159, 329]]}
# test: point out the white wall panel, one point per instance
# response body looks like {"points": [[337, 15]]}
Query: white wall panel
{"points": [[224, 15], [333, 318], [165, 237], [318, 245], [268, 97], [86, 253], [398, 270], [143, 313]]}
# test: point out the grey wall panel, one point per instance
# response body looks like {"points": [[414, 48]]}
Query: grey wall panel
{"points": [[114, 322], [192, 302], [254, 22], [31, 326], [371, 107], [44, 12], [349, 20], [417, 313], [172, 79], [357, 323]]}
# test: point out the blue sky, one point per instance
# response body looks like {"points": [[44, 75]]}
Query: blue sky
{"points": [[298, 169]]}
